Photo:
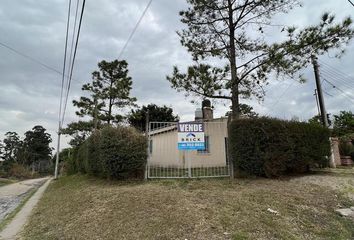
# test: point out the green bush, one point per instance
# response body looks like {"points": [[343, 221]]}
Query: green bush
{"points": [[123, 152], [81, 162], [93, 164], [271, 147], [114, 153], [345, 148], [70, 163]]}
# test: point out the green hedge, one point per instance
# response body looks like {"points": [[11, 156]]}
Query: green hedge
{"points": [[271, 147], [113, 152], [93, 165]]}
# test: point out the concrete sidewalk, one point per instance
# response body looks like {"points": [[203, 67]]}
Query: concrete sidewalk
{"points": [[11, 195], [12, 230]]}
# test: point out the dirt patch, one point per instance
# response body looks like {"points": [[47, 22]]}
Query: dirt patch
{"points": [[341, 180]]}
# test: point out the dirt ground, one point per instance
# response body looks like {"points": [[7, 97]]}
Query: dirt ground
{"points": [[80, 207], [340, 179]]}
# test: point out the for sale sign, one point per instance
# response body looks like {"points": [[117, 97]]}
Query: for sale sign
{"points": [[191, 136]]}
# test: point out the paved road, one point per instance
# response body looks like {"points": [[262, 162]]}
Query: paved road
{"points": [[12, 194]]}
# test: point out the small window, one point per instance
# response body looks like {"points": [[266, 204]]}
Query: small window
{"points": [[150, 146], [207, 149]]}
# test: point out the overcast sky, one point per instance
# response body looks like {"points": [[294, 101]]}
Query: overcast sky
{"points": [[29, 93]]}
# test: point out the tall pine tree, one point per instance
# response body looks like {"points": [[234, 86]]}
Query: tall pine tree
{"points": [[232, 33], [109, 92]]}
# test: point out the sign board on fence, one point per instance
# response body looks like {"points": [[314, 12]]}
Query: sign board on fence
{"points": [[191, 136]]}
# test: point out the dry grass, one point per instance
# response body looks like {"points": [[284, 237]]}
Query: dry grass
{"points": [[79, 207]]}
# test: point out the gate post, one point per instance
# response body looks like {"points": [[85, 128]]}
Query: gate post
{"points": [[228, 154], [147, 131]]}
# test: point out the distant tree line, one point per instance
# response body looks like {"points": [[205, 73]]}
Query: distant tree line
{"points": [[28, 152], [342, 124]]}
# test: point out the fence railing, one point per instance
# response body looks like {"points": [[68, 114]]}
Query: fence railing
{"points": [[166, 161]]}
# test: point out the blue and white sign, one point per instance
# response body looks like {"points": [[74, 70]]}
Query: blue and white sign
{"points": [[191, 136]]}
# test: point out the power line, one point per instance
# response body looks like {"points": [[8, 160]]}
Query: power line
{"points": [[335, 71], [335, 77], [73, 60], [351, 2], [61, 92], [64, 63], [327, 93], [346, 79], [134, 29], [340, 90], [282, 95], [30, 58], [72, 41]]}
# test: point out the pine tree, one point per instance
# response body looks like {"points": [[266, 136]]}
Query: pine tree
{"points": [[232, 33]]}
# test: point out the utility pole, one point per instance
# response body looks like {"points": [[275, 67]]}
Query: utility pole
{"points": [[58, 151], [318, 106], [319, 91], [322, 106]]}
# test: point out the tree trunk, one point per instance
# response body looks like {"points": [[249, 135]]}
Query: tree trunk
{"points": [[95, 114], [110, 103], [232, 55]]}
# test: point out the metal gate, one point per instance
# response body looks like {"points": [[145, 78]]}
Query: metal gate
{"points": [[166, 161]]}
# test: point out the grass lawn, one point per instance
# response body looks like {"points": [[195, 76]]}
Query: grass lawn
{"points": [[80, 207]]}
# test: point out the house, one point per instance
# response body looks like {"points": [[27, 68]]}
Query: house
{"points": [[163, 150]]}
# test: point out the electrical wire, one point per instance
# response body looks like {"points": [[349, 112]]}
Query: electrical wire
{"points": [[282, 95], [73, 60], [352, 3], [72, 41], [64, 64], [30, 58], [340, 90], [336, 78], [344, 76], [349, 82], [134, 30]]}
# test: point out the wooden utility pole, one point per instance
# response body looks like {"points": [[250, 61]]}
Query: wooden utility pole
{"points": [[320, 93], [318, 106], [322, 106], [58, 151]]}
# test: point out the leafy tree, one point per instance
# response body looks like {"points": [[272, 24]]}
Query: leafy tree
{"points": [[344, 123], [80, 131], [245, 110], [11, 146], [36, 143], [109, 91], [64, 155], [316, 120], [234, 33], [137, 118], [1, 150]]}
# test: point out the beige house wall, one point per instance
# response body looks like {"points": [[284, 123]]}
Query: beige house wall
{"points": [[165, 153]]}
